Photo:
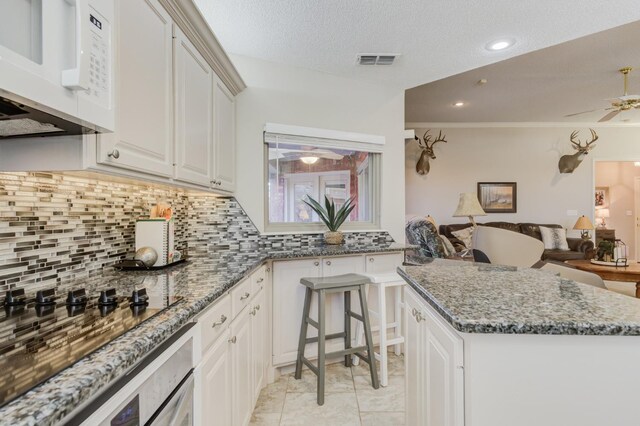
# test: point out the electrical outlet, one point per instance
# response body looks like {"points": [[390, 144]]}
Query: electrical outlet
{"points": [[629, 213], [572, 212]]}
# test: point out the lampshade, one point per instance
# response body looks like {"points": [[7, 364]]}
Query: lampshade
{"points": [[583, 223], [469, 206], [602, 213]]}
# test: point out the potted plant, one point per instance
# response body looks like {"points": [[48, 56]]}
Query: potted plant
{"points": [[605, 251], [331, 217]]}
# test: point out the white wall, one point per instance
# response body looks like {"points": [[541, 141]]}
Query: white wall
{"points": [[297, 96], [528, 156], [619, 177]]}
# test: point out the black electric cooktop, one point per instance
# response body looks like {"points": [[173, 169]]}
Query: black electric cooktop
{"points": [[42, 335]]}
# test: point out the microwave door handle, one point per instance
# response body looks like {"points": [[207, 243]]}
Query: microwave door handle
{"points": [[78, 78]]}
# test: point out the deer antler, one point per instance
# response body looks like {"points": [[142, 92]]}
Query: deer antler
{"points": [[577, 144], [439, 138]]}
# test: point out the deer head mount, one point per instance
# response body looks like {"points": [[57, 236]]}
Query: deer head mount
{"points": [[426, 144], [568, 163]]}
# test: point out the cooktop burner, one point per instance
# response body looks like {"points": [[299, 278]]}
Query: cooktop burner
{"points": [[42, 335]]}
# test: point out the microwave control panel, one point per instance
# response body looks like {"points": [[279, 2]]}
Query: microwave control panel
{"points": [[99, 91]]}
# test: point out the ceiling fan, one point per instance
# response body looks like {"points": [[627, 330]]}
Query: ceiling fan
{"points": [[619, 104]]}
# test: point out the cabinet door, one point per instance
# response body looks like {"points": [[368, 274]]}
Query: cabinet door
{"points": [[288, 298], [334, 303], [241, 372], [258, 343], [444, 385], [414, 361], [214, 376], [143, 139], [224, 156], [193, 112]]}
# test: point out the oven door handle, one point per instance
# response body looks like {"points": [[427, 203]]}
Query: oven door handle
{"points": [[179, 403]]}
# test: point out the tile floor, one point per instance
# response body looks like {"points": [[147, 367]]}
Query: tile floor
{"points": [[349, 398]]}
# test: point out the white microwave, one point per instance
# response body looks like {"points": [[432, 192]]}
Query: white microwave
{"points": [[56, 67]]}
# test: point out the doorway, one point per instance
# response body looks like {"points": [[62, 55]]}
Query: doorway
{"points": [[617, 204]]}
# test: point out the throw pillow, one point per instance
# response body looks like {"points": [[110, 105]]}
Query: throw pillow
{"points": [[465, 235], [449, 249], [554, 238]]}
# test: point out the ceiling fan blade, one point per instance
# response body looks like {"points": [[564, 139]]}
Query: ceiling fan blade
{"points": [[609, 116], [583, 112]]}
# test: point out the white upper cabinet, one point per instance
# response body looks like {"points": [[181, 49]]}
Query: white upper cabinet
{"points": [[143, 139], [224, 154], [193, 112]]}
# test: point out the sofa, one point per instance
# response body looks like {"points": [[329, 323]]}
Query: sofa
{"points": [[578, 248]]}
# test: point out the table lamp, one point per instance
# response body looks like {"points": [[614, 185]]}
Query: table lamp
{"points": [[584, 224], [602, 214], [469, 206]]}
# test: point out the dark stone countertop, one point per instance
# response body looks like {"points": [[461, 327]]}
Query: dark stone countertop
{"points": [[200, 281], [482, 298]]}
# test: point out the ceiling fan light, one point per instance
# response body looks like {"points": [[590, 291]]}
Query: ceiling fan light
{"points": [[309, 160]]}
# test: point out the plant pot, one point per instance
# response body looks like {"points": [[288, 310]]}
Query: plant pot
{"points": [[333, 237]]}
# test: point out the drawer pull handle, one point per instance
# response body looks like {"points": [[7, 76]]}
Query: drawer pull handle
{"points": [[257, 307], [115, 154], [328, 263], [268, 269], [217, 323], [371, 259], [260, 280], [233, 339], [246, 296], [253, 311], [316, 263]]}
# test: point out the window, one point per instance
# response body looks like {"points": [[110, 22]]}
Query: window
{"points": [[301, 166]]}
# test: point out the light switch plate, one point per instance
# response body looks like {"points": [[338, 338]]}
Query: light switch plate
{"points": [[572, 212], [629, 213]]}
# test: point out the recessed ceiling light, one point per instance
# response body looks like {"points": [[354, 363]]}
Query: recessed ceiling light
{"points": [[458, 104], [500, 44]]}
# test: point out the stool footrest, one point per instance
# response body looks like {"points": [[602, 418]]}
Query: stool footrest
{"points": [[312, 367], [350, 351], [341, 335], [356, 316], [313, 323], [362, 357]]}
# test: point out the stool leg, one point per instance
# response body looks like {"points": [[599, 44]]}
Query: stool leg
{"points": [[303, 332], [382, 317], [321, 353], [360, 331], [347, 327], [397, 318], [369, 339]]}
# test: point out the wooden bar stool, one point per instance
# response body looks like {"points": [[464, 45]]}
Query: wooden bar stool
{"points": [[335, 284], [382, 282]]}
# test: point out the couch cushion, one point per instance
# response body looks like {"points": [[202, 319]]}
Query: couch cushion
{"points": [[533, 229], [562, 255], [465, 235]]}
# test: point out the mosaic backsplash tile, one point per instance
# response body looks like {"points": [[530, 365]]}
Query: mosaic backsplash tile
{"points": [[55, 227]]}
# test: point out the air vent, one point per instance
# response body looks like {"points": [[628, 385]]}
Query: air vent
{"points": [[377, 59]]}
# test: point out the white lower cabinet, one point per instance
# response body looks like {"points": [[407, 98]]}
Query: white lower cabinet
{"points": [[288, 299], [241, 369], [234, 368], [434, 367], [214, 379]]}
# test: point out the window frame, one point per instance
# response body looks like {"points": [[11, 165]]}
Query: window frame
{"points": [[375, 164]]}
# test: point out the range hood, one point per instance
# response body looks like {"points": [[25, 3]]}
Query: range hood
{"points": [[20, 120]]}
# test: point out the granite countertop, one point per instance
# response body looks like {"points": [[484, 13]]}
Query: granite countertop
{"points": [[482, 298], [200, 281]]}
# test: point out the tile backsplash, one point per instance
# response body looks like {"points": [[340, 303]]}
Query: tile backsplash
{"points": [[55, 227]]}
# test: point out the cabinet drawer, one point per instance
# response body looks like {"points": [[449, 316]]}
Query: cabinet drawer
{"points": [[214, 322], [258, 280], [240, 297]]}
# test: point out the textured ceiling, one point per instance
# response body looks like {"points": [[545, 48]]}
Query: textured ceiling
{"points": [[436, 38], [541, 86]]}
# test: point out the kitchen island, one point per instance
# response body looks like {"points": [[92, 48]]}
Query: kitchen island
{"points": [[200, 282], [494, 345]]}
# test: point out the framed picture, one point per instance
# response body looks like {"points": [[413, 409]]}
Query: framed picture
{"points": [[498, 197], [602, 197]]}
